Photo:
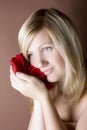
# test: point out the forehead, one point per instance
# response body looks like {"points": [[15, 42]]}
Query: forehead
{"points": [[39, 39]]}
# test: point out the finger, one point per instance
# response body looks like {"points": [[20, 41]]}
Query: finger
{"points": [[21, 88], [11, 70], [25, 76], [14, 78], [17, 84], [13, 75]]}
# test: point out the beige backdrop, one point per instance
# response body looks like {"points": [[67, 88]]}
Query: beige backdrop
{"points": [[14, 108]]}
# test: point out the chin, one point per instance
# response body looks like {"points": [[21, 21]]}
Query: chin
{"points": [[52, 80]]}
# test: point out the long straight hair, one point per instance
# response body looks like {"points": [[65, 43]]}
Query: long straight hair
{"points": [[66, 40]]}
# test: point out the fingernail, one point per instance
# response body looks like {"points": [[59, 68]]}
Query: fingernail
{"points": [[18, 74]]}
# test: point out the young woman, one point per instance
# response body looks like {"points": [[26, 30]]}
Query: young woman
{"points": [[50, 42]]}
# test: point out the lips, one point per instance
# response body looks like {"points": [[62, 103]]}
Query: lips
{"points": [[48, 71]]}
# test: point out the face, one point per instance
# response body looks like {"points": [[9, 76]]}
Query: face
{"points": [[43, 55]]}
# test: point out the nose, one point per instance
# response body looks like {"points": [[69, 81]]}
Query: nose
{"points": [[41, 62]]}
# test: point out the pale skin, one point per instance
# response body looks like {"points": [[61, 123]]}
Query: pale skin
{"points": [[48, 113]]}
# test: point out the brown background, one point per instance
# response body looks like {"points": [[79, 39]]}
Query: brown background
{"points": [[14, 108]]}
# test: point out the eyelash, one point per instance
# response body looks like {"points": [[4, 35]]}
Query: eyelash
{"points": [[29, 55], [44, 49], [47, 48]]}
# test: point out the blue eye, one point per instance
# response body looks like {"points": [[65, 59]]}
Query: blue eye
{"points": [[47, 48]]}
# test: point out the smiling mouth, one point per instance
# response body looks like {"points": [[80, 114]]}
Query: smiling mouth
{"points": [[47, 72]]}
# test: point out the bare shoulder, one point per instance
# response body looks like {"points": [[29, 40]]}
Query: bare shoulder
{"points": [[82, 121], [83, 103]]}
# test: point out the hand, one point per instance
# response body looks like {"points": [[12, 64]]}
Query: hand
{"points": [[28, 85]]}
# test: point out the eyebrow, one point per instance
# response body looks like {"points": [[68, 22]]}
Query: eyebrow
{"points": [[45, 43]]}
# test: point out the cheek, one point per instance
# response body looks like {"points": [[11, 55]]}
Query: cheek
{"points": [[33, 62], [58, 58], [60, 64], [58, 72]]}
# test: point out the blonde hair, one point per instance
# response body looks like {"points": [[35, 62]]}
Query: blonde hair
{"points": [[66, 40]]}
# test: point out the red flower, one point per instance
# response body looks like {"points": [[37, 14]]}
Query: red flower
{"points": [[19, 63]]}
